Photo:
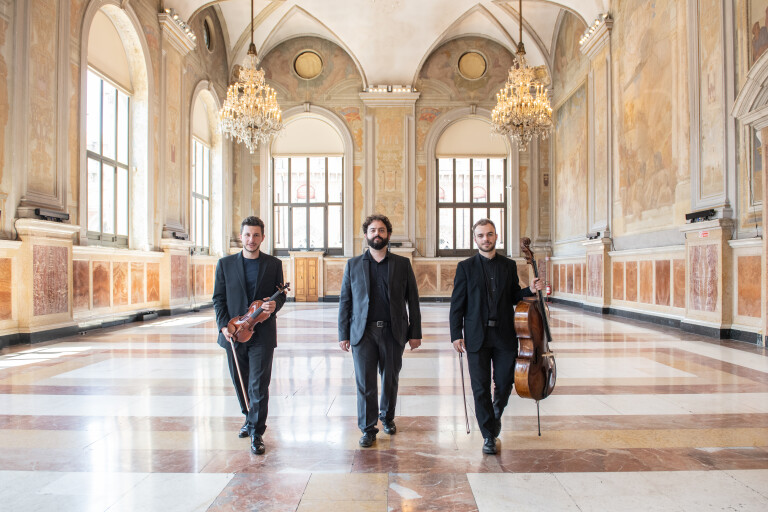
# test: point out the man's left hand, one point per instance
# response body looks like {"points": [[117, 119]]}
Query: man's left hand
{"points": [[414, 344], [537, 284], [268, 306]]}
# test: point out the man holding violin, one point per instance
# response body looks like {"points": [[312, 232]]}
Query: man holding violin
{"points": [[240, 279], [485, 291]]}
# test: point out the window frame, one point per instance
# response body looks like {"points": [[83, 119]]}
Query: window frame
{"points": [[470, 205], [100, 237], [195, 196], [289, 204]]}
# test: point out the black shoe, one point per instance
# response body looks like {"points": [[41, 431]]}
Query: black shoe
{"points": [[497, 430], [257, 444], [489, 446], [389, 427], [368, 439], [243, 431]]}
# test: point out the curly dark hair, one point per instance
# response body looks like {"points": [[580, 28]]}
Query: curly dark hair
{"points": [[252, 221], [369, 219]]}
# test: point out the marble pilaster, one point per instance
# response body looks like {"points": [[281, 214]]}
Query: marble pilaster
{"points": [[597, 291]]}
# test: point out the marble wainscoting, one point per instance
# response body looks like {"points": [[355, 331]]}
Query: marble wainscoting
{"points": [[144, 417]]}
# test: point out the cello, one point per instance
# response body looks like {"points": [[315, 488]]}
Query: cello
{"points": [[535, 370]]}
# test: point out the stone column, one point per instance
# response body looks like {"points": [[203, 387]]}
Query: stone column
{"points": [[708, 268], [598, 278]]}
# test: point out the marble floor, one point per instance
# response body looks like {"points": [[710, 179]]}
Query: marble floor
{"points": [[143, 417]]}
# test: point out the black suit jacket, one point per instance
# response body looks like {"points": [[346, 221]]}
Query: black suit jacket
{"points": [[230, 298], [353, 301], [469, 301]]}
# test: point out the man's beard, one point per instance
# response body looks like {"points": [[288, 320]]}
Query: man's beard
{"points": [[487, 249], [377, 242]]}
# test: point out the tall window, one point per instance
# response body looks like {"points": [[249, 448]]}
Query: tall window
{"points": [[201, 195], [307, 196], [107, 124], [469, 189]]}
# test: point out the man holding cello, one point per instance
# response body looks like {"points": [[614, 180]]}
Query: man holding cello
{"points": [[485, 291], [240, 279]]}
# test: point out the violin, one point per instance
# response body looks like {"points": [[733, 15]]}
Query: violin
{"points": [[241, 327], [535, 370]]}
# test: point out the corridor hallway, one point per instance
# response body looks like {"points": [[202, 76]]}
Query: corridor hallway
{"points": [[143, 417]]}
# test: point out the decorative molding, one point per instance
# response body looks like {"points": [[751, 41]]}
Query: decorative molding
{"points": [[708, 225], [172, 244], [96, 250], [183, 40], [34, 228], [389, 99], [597, 36]]}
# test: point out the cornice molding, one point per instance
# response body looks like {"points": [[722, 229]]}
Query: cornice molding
{"points": [[175, 35], [598, 39]]}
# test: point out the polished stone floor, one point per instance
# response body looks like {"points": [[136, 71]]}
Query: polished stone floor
{"points": [[143, 417]]}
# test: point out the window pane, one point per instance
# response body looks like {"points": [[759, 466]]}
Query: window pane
{"points": [[281, 227], [463, 229], [108, 203], [198, 167], [497, 216], [480, 180], [335, 180], [94, 195], [445, 180], [122, 202], [477, 214], [462, 180], [317, 227], [446, 228], [497, 181], [281, 180], [122, 128], [93, 114], [316, 193], [206, 223], [299, 240], [207, 171], [109, 121], [334, 226], [298, 180]]}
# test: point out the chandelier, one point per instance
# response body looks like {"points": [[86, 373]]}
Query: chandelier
{"points": [[522, 108], [250, 113]]}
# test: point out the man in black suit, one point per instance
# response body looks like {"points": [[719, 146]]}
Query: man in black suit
{"points": [[376, 288], [240, 279], [485, 291]]}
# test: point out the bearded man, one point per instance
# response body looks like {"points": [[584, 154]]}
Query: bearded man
{"points": [[373, 322]]}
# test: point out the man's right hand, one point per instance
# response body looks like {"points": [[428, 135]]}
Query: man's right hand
{"points": [[344, 345], [226, 334], [459, 345]]}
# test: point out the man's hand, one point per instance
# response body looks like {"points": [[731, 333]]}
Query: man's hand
{"points": [[414, 343], [268, 306], [459, 345], [537, 284], [344, 345], [226, 334]]}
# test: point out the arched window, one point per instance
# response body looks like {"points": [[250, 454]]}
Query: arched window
{"points": [[308, 187]]}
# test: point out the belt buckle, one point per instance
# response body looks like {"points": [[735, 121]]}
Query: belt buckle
{"points": [[379, 323]]}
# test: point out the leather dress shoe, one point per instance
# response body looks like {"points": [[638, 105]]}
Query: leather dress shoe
{"points": [[389, 427], [243, 431], [257, 444], [489, 446], [368, 439]]}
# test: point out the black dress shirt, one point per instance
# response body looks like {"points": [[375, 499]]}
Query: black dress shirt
{"points": [[251, 271], [491, 272], [378, 293]]}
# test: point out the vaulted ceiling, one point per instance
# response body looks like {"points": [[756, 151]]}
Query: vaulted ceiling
{"points": [[390, 39]]}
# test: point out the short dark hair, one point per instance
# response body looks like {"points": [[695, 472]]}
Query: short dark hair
{"points": [[482, 222], [252, 221], [369, 219]]}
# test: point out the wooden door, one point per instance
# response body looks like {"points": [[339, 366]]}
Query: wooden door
{"points": [[300, 276]]}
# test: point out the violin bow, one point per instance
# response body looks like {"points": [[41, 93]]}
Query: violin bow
{"points": [[463, 389], [239, 375]]}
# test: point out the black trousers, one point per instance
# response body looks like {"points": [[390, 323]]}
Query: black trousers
{"points": [[498, 355], [376, 350], [255, 360]]}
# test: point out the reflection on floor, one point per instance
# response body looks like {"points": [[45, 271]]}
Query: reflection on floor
{"points": [[144, 418]]}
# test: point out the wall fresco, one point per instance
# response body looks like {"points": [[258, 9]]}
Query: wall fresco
{"points": [[50, 275], [173, 181], [390, 182], [711, 97], [524, 208], [4, 102], [351, 116], [757, 16], [601, 106], [425, 117], [570, 66], [571, 167]]}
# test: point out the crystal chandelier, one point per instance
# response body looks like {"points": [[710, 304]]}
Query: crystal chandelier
{"points": [[522, 108], [250, 114]]}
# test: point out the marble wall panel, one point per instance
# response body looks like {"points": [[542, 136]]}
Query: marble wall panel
{"points": [[562, 287], [632, 281], [447, 275], [101, 293], [120, 290], [6, 278], [663, 278], [81, 284], [333, 277], [50, 272], [678, 276], [153, 282], [577, 280], [703, 279], [524, 273], [426, 277], [179, 277], [618, 280], [209, 278], [595, 275], [749, 276], [199, 279], [584, 276], [569, 278], [137, 283], [646, 282], [555, 278]]}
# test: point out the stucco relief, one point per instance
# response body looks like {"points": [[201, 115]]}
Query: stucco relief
{"points": [[173, 138], [74, 142], [426, 116], [571, 166], [357, 192], [543, 216], [524, 206], [50, 280], [390, 175], [4, 105], [421, 203], [651, 115], [711, 94], [703, 279], [570, 66], [601, 137], [355, 123]]}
